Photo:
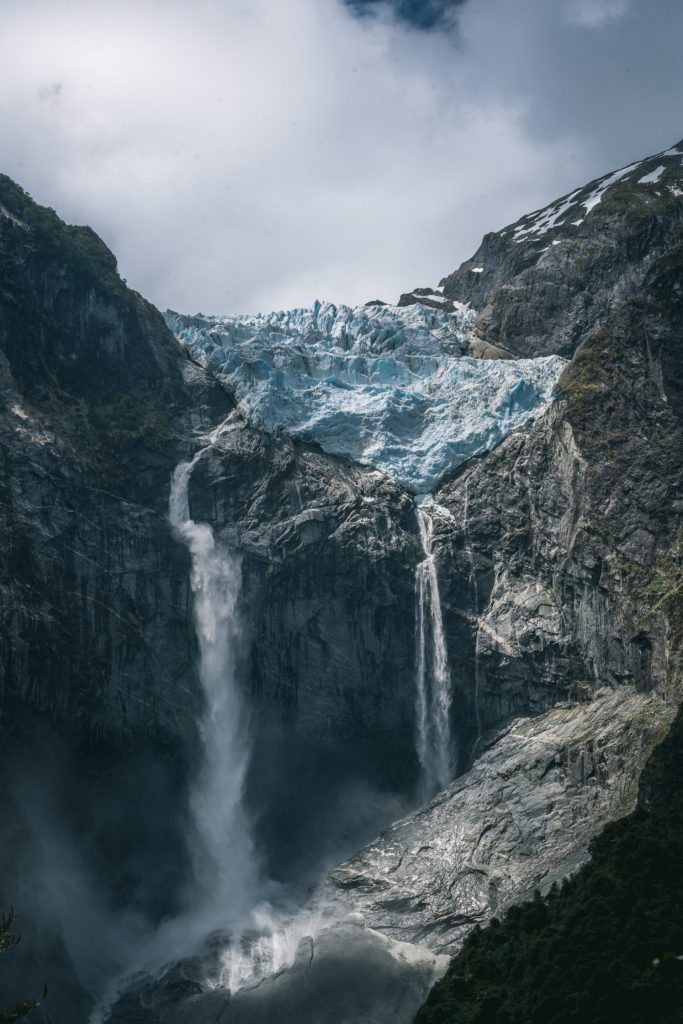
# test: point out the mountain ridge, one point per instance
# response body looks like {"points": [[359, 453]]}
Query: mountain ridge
{"points": [[557, 560], [599, 239]]}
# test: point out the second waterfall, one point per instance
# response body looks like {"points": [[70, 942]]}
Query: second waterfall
{"points": [[433, 682]]}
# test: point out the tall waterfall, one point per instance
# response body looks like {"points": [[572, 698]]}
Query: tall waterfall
{"points": [[231, 892], [433, 701], [223, 855], [227, 880]]}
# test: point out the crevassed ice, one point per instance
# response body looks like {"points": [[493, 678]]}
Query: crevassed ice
{"points": [[386, 386]]}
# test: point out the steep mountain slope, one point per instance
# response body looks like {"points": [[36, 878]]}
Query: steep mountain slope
{"points": [[555, 568], [574, 525], [96, 661], [92, 395], [541, 284]]}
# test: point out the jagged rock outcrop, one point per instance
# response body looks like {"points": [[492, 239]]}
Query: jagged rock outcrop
{"points": [[541, 284], [520, 820], [567, 537], [433, 297]]}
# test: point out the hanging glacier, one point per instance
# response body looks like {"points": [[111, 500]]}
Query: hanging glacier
{"points": [[387, 386]]}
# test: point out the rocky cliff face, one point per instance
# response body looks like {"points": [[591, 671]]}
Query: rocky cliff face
{"points": [[99, 405], [327, 550], [520, 820], [543, 283], [557, 555], [572, 530], [98, 665], [93, 407]]}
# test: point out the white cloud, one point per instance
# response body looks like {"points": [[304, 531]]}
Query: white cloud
{"points": [[594, 13], [248, 156]]}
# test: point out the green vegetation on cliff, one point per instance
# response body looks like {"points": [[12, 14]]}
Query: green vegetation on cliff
{"points": [[603, 949]]}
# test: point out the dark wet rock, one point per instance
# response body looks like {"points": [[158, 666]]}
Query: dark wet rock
{"points": [[427, 297], [480, 349]]}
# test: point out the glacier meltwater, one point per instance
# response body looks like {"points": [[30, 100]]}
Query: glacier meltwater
{"points": [[386, 386]]}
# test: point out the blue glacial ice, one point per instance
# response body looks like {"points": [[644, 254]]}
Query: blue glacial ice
{"points": [[386, 386]]}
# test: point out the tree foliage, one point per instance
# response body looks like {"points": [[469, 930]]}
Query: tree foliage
{"points": [[7, 940]]}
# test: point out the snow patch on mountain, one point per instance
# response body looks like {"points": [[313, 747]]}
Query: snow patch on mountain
{"points": [[387, 386], [547, 219], [533, 227], [605, 183], [652, 176]]}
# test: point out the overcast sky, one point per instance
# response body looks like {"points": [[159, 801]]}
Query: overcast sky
{"points": [[248, 155]]}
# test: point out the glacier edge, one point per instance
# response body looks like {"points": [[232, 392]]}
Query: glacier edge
{"points": [[385, 386]]}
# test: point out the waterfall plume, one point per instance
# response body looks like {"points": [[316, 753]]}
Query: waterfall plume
{"points": [[224, 859], [433, 678]]}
